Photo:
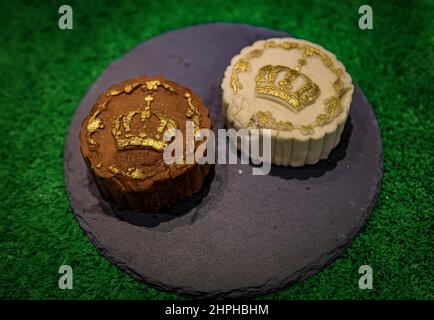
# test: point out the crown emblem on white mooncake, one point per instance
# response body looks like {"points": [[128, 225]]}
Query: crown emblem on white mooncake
{"points": [[286, 85]]}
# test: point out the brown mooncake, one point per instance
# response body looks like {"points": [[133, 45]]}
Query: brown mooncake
{"points": [[122, 143]]}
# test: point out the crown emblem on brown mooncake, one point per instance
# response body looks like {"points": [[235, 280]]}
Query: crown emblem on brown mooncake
{"points": [[286, 85], [125, 138]]}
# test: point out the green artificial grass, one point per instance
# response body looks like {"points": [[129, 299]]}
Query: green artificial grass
{"points": [[45, 72]]}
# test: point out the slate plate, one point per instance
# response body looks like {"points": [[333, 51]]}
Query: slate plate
{"points": [[243, 235]]}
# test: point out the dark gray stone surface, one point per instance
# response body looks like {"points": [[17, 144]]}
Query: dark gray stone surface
{"points": [[247, 235]]}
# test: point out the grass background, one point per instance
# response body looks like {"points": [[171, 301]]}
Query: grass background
{"points": [[45, 72]]}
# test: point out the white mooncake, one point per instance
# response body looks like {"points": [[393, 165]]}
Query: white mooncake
{"points": [[297, 89]]}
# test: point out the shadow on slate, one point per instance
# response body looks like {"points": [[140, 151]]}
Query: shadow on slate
{"points": [[247, 235], [320, 168], [154, 218]]}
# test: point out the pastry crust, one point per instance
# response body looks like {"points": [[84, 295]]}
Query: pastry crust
{"points": [[294, 87], [121, 141]]}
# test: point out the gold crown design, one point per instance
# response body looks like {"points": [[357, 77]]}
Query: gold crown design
{"points": [[268, 85], [126, 139]]}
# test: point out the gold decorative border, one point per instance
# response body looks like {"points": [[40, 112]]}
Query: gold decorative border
{"points": [[262, 119], [95, 123]]}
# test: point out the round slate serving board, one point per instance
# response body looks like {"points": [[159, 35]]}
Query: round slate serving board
{"points": [[243, 235]]}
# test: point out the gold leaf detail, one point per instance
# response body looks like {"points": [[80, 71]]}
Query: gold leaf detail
{"points": [[193, 113], [130, 88], [113, 169], [297, 99], [95, 123], [154, 84], [115, 92]]}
